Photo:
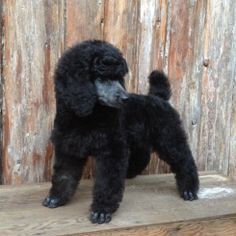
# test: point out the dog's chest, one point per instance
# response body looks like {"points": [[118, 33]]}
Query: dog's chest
{"points": [[87, 143]]}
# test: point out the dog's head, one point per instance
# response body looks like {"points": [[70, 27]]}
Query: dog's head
{"points": [[108, 71], [91, 72]]}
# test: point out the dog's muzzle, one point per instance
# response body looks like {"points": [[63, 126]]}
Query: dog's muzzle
{"points": [[111, 93]]}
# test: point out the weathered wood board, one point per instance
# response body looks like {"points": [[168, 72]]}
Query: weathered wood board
{"points": [[33, 41], [1, 85], [192, 41], [151, 206]]}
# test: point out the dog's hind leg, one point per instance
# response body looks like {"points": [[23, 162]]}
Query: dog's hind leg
{"points": [[172, 147], [67, 173], [138, 160]]}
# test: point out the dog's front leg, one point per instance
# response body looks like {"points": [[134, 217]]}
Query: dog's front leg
{"points": [[108, 190], [67, 173]]}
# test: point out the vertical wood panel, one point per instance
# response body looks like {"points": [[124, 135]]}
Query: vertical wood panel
{"points": [[194, 74], [217, 85], [147, 18], [84, 20], [178, 51], [186, 55], [208, 100], [232, 154], [159, 36], [1, 84], [223, 72], [34, 34]]}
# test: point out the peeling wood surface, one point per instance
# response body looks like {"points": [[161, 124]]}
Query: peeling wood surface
{"points": [[191, 41]]}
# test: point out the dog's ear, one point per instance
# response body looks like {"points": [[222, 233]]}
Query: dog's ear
{"points": [[77, 92]]}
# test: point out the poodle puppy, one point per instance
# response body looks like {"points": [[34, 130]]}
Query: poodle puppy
{"points": [[95, 116]]}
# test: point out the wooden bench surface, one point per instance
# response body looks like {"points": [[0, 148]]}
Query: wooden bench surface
{"points": [[151, 206]]}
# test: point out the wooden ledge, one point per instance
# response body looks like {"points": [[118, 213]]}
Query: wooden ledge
{"points": [[151, 206]]}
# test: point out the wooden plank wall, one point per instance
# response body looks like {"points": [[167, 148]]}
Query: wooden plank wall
{"points": [[1, 83], [33, 42], [191, 40]]}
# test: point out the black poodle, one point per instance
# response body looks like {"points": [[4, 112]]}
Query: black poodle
{"points": [[95, 116]]}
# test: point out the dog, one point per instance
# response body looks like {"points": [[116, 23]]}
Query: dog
{"points": [[96, 116]]}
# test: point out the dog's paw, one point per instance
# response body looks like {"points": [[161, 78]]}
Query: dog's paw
{"points": [[52, 202], [100, 217], [189, 195]]}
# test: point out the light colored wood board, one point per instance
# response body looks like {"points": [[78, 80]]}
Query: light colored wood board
{"points": [[147, 18], [33, 39], [224, 72], [232, 155], [194, 74], [84, 20], [217, 86], [151, 200], [1, 84], [217, 227]]}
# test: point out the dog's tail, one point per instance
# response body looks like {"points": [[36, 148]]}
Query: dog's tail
{"points": [[159, 85]]}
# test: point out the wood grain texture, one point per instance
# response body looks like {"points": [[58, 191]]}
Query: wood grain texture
{"points": [[232, 160], [192, 41], [232, 154], [84, 20], [33, 42], [202, 89], [157, 208], [217, 86], [194, 73], [1, 85], [223, 73], [217, 227]]}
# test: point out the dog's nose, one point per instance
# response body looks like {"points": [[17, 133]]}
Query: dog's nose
{"points": [[124, 97]]}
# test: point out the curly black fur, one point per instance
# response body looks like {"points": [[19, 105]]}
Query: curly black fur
{"points": [[119, 138]]}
